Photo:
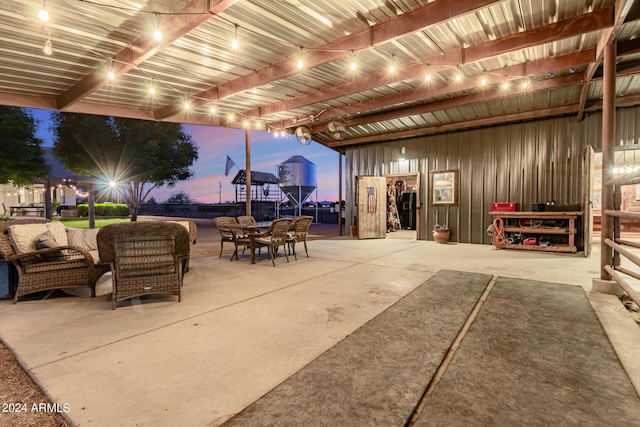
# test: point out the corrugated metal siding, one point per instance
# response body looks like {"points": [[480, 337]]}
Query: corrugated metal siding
{"points": [[525, 163]]}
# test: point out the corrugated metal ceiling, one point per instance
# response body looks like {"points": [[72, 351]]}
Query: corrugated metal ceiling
{"points": [[503, 41]]}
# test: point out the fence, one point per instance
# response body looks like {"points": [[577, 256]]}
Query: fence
{"points": [[620, 247]]}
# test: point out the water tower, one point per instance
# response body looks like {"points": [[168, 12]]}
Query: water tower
{"points": [[297, 179]]}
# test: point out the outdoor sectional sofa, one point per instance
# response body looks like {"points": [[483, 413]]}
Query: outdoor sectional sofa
{"points": [[47, 256]]}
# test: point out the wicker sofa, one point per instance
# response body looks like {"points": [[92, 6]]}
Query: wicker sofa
{"points": [[68, 260], [145, 257]]}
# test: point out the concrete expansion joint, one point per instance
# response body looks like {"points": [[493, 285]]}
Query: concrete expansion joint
{"points": [[452, 351]]}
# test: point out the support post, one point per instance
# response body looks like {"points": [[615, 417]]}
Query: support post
{"points": [[340, 193], [92, 206], [48, 209], [247, 139], [608, 136]]}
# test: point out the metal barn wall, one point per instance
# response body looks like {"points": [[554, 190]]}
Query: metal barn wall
{"points": [[525, 163]]}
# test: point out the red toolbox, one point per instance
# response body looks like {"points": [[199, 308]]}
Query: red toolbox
{"points": [[503, 206], [530, 241]]}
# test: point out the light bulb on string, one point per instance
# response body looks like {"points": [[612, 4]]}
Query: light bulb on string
{"points": [[157, 34], [231, 117], [526, 84], [300, 62], [43, 14], [353, 64], [152, 89], [187, 106], [111, 75], [245, 123], [48, 47], [483, 82], [392, 67], [234, 43], [213, 109], [505, 85]]}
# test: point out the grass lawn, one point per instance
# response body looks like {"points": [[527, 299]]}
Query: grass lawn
{"points": [[84, 222]]}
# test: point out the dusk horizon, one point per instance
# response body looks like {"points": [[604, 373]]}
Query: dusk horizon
{"points": [[216, 143]]}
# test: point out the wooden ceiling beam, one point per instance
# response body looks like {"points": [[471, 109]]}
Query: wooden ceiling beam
{"points": [[557, 31], [193, 14], [541, 66], [384, 32], [456, 126], [461, 101], [621, 9]]}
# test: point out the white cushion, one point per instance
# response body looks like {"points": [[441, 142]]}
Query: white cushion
{"points": [[185, 224], [24, 236], [59, 232], [87, 239], [95, 255]]}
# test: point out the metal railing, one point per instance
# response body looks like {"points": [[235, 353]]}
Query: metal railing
{"points": [[620, 247]]}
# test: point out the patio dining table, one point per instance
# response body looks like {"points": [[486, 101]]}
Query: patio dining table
{"points": [[253, 230]]}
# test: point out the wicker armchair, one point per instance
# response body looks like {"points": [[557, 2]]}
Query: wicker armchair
{"points": [[145, 257], [298, 233], [229, 234], [277, 237], [58, 267], [246, 219]]}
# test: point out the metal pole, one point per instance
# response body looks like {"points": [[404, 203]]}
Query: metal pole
{"points": [[608, 135], [340, 193], [247, 139], [92, 207], [48, 210], [219, 192]]}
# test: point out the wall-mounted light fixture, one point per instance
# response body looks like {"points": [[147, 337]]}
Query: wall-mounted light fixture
{"points": [[402, 155]]}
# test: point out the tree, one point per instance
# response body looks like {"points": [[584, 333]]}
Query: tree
{"points": [[180, 197], [22, 158], [138, 155]]}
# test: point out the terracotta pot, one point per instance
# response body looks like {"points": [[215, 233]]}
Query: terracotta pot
{"points": [[441, 235]]}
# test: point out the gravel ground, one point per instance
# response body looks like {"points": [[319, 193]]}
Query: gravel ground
{"points": [[23, 403]]}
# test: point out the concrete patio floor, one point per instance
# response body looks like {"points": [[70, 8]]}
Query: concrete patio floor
{"points": [[242, 329]]}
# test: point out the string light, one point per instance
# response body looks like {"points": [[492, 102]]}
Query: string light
{"points": [[245, 123], [48, 47], [48, 50], [111, 75], [43, 14], [157, 34], [300, 63], [234, 43]]}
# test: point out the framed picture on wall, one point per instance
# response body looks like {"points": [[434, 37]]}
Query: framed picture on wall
{"points": [[444, 187]]}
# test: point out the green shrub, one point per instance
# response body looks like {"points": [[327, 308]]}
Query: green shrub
{"points": [[104, 209], [83, 209]]}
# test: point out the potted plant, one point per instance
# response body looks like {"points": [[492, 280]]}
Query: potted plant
{"points": [[441, 233]]}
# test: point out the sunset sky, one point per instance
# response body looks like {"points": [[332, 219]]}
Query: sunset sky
{"points": [[216, 143]]}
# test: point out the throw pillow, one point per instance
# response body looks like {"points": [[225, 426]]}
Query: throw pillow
{"points": [[45, 241]]}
